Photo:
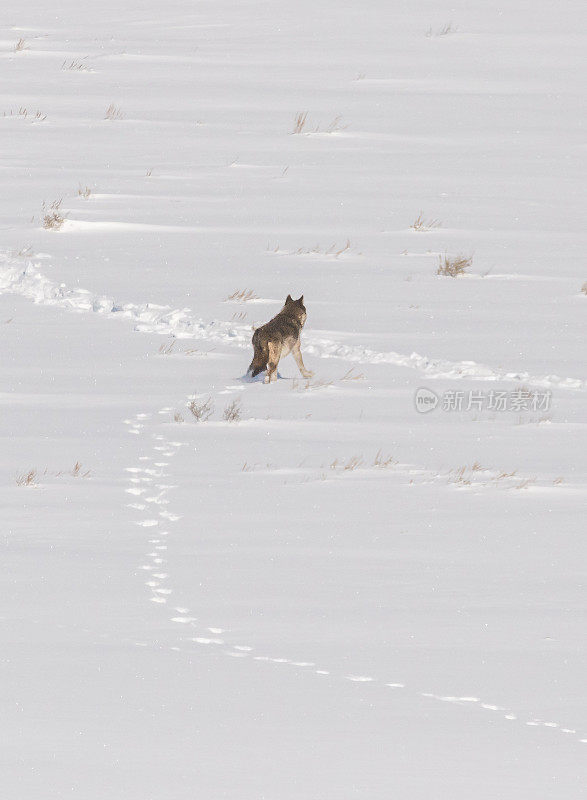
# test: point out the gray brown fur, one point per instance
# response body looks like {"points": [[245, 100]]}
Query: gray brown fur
{"points": [[279, 337]]}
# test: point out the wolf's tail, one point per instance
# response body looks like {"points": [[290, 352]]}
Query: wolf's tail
{"points": [[260, 357], [255, 370]]}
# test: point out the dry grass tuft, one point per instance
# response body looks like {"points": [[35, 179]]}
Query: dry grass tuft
{"points": [[525, 483], [460, 476], [241, 296], [444, 31], [423, 224], [358, 462], [352, 376], [177, 417], [584, 288], [335, 125], [306, 384], [24, 252], [334, 251], [113, 112], [77, 65], [78, 472], [27, 478], [503, 475], [453, 266], [382, 462], [352, 464], [201, 411], [84, 191], [53, 219], [23, 112], [166, 349], [20, 46], [477, 475], [232, 412], [300, 122]]}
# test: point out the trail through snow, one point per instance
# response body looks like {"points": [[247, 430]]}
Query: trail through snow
{"points": [[149, 482], [161, 589], [27, 281]]}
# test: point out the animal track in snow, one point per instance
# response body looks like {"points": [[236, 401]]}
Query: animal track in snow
{"points": [[160, 590], [29, 282]]}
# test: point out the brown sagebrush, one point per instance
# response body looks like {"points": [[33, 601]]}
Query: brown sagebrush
{"points": [[453, 266], [53, 219], [232, 412], [201, 411]]}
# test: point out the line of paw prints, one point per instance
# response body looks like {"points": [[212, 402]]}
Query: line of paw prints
{"points": [[148, 494]]}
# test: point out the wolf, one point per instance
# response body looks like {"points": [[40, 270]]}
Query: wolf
{"points": [[277, 338]]}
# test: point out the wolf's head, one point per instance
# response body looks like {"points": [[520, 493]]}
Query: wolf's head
{"points": [[296, 307]]}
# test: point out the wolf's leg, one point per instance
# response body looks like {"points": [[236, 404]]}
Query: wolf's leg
{"points": [[274, 356], [297, 354]]}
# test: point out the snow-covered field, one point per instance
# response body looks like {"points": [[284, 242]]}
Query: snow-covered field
{"points": [[337, 596]]}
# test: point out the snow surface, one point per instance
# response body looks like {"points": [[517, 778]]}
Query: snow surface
{"points": [[335, 596]]}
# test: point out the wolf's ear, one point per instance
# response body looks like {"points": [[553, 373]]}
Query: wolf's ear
{"points": [[288, 299], [301, 300]]}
